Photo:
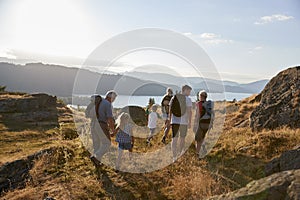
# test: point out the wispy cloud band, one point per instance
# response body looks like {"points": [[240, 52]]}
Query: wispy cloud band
{"points": [[272, 18], [210, 38]]}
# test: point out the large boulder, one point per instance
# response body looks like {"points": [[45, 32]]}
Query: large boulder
{"points": [[280, 186], [287, 161], [28, 109], [137, 114], [280, 100]]}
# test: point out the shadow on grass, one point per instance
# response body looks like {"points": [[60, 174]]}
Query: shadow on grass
{"points": [[123, 185], [113, 191], [236, 170]]}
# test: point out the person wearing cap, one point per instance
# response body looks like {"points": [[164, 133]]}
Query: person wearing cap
{"points": [[102, 139]]}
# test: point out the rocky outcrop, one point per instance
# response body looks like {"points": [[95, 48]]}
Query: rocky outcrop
{"points": [[282, 181], [16, 174], [287, 161], [29, 109], [279, 103], [280, 186]]}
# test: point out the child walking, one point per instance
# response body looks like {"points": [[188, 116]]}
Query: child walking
{"points": [[152, 120], [124, 137]]}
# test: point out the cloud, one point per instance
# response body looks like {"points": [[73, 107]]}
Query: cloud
{"points": [[257, 48], [273, 18], [209, 36], [212, 38], [7, 53], [187, 34], [218, 41]]}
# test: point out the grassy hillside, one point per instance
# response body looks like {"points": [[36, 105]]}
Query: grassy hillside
{"points": [[238, 158]]}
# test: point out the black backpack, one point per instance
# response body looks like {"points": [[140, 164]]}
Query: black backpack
{"points": [[95, 104], [207, 109], [178, 106]]}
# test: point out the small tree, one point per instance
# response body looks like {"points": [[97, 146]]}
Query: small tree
{"points": [[2, 88], [151, 101]]}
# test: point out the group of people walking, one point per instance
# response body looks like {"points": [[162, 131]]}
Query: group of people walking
{"points": [[176, 112], [177, 115]]}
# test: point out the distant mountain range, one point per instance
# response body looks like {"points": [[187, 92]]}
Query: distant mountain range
{"points": [[199, 83], [59, 80]]}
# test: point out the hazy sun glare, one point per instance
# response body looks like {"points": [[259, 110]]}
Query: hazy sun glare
{"points": [[52, 27]]}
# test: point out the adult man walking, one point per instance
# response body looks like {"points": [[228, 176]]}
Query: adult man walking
{"points": [[101, 137], [180, 118]]}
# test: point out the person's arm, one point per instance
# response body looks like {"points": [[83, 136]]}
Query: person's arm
{"points": [[163, 106], [196, 120], [114, 132], [111, 124], [189, 112], [211, 125], [110, 119], [170, 113], [131, 133]]}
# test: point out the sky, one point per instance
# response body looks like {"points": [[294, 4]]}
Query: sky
{"points": [[246, 40]]}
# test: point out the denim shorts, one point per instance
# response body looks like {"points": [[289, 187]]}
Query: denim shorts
{"points": [[125, 146]]}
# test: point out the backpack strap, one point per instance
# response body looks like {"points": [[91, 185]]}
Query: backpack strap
{"points": [[97, 110], [200, 108], [97, 102]]}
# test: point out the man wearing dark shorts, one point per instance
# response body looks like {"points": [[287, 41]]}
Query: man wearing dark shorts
{"points": [[181, 124]]}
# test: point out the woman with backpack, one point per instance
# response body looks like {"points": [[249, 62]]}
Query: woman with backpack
{"points": [[203, 119], [165, 112]]}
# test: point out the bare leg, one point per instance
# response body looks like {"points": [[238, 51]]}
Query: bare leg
{"points": [[130, 155], [174, 147], [181, 144], [166, 129], [198, 146], [151, 134], [119, 159]]}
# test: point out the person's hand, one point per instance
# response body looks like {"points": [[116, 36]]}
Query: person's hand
{"points": [[113, 133], [195, 127], [168, 123], [211, 125]]}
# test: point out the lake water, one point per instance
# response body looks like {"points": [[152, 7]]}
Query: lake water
{"points": [[123, 100]]}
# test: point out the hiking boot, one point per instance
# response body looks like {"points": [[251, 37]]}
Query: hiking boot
{"points": [[204, 150], [148, 142], [95, 161], [163, 140], [174, 160]]}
